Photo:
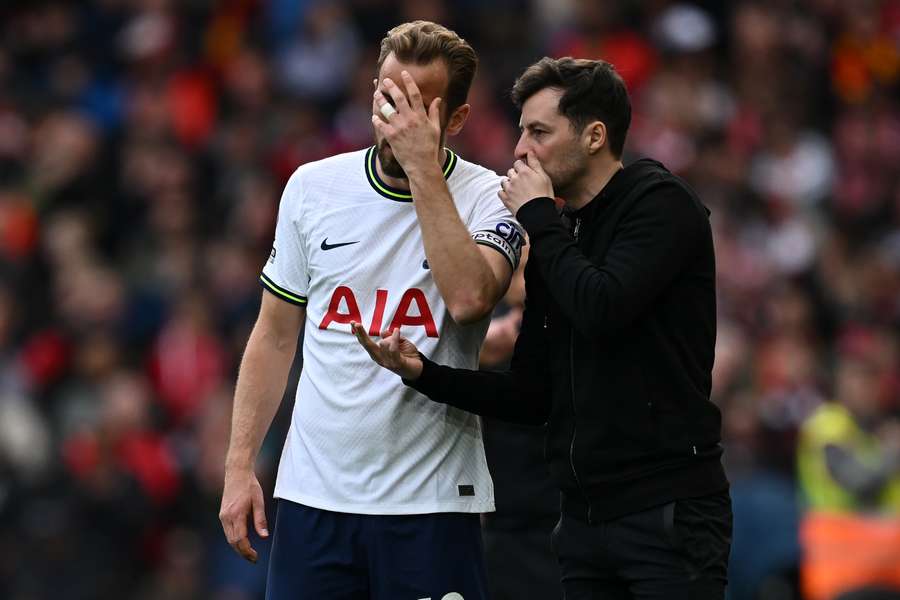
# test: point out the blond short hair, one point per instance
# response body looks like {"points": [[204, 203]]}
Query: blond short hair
{"points": [[422, 42]]}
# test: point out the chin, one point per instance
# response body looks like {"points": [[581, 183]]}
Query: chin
{"points": [[389, 164], [563, 183]]}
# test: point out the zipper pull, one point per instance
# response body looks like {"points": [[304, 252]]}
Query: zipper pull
{"points": [[577, 227]]}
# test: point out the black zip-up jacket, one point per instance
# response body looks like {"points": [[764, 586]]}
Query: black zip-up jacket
{"points": [[616, 348]]}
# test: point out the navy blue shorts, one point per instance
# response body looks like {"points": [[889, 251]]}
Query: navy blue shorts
{"points": [[319, 554]]}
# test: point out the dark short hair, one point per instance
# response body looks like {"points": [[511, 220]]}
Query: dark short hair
{"points": [[421, 42], [592, 90]]}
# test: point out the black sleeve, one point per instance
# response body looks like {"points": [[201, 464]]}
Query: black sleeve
{"points": [[651, 245], [519, 395]]}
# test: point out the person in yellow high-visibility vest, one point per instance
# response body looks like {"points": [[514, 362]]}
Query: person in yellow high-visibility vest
{"points": [[849, 470], [849, 451]]}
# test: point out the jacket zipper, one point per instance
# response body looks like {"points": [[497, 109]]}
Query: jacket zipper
{"points": [[574, 406]]}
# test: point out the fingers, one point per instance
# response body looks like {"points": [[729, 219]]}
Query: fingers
{"points": [[382, 126], [434, 112], [385, 343], [243, 547], [233, 518], [505, 182], [394, 341], [382, 110], [519, 166], [382, 106], [397, 95], [363, 338], [534, 163], [259, 514], [236, 534], [413, 93]]}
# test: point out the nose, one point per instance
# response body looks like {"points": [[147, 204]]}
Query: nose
{"points": [[522, 148]]}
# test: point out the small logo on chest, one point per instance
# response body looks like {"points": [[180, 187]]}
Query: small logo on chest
{"points": [[326, 246]]}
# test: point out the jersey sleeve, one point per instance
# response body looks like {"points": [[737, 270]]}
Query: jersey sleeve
{"points": [[492, 224], [286, 273]]}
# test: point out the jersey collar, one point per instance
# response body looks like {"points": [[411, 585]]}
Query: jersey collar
{"points": [[393, 193]]}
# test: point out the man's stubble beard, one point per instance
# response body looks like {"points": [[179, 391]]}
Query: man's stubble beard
{"points": [[572, 168], [389, 164]]}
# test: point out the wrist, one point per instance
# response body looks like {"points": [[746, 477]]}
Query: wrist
{"points": [[423, 168], [536, 212], [413, 370], [238, 466], [417, 369]]}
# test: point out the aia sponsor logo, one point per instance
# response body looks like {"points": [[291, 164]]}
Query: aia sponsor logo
{"points": [[343, 308]]}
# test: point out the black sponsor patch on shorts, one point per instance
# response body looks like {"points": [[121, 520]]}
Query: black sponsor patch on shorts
{"points": [[466, 490]]}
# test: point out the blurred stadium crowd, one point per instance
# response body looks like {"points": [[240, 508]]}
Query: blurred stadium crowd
{"points": [[143, 148]]}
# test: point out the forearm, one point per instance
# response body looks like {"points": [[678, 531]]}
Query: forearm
{"points": [[465, 280], [520, 395], [500, 340], [260, 386], [505, 396]]}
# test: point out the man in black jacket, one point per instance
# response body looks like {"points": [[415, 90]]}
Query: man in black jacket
{"points": [[615, 351]]}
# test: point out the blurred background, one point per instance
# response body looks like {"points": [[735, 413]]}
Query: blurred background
{"points": [[143, 148]]}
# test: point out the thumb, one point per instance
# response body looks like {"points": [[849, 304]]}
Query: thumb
{"points": [[434, 112], [259, 515]]}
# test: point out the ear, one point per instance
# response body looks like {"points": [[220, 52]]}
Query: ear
{"points": [[595, 136], [457, 120]]}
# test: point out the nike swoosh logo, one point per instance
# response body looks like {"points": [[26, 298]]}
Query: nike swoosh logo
{"points": [[327, 246]]}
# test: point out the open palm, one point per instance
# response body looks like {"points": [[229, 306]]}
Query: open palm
{"points": [[393, 352]]}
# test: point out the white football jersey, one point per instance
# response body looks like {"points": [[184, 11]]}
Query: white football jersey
{"points": [[348, 247]]}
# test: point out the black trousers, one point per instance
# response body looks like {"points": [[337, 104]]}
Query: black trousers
{"points": [[520, 565], [677, 551]]}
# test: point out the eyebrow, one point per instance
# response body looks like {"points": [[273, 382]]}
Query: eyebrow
{"points": [[534, 124]]}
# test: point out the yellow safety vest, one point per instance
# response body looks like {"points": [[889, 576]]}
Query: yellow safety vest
{"points": [[833, 424]]}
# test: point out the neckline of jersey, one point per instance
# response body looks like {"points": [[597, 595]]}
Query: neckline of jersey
{"points": [[397, 194]]}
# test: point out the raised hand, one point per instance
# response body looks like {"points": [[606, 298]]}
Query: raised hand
{"points": [[413, 134], [394, 352], [525, 181]]}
